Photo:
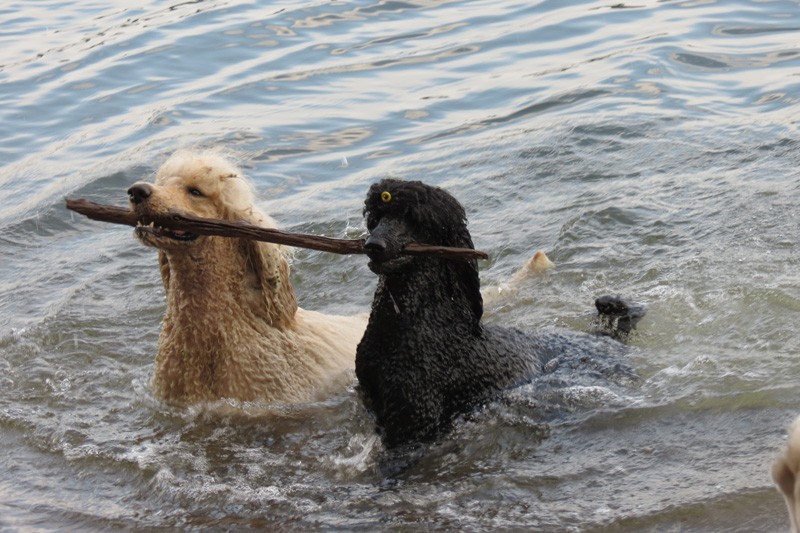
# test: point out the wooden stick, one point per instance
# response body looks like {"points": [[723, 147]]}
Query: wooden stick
{"points": [[174, 219]]}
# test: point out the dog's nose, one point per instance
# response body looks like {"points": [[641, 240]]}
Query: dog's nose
{"points": [[375, 245], [139, 192]]}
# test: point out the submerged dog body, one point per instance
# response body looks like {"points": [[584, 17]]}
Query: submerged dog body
{"points": [[425, 356], [232, 328]]}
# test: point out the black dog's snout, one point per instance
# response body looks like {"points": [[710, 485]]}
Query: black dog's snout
{"points": [[375, 245], [386, 241], [139, 192]]}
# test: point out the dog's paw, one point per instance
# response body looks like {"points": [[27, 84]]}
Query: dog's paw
{"points": [[618, 317]]}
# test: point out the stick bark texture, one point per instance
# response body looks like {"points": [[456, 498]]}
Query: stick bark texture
{"points": [[243, 230]]}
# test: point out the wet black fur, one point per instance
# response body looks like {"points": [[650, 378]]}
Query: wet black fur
{"points": [[426, 357]]}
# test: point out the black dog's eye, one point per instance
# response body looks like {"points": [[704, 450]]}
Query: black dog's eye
{"points": [[194, 191]]}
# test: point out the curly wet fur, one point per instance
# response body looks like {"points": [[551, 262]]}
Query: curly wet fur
{"points": [[232, 328], [425, 356], [786, 474]]}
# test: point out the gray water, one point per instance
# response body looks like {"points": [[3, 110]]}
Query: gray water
{"points": [[651, 148]]}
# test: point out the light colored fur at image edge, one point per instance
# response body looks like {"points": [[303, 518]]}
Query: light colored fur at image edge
{"points": [[785, 470], [232, 328]]}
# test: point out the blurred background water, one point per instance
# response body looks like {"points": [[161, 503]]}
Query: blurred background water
{"points": [[651, 147]]}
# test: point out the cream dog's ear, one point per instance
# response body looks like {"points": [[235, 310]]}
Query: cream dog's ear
{"points": [[268, 270]]}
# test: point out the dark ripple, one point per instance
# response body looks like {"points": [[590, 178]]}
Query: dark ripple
{"points": [[740, 30], [701, 61]]}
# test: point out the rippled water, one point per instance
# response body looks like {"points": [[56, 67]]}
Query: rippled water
{"points": [[652, 148]]}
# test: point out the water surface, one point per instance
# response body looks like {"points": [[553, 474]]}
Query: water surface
{"points": [[650, 147]]}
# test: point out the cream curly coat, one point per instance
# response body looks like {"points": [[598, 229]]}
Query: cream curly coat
{"points": [[232, 328]]}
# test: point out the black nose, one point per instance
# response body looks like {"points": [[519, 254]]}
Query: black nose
{"points": [[139, 192], [375, 245]]}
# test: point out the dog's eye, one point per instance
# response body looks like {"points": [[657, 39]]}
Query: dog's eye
{"points": [[194, 191], [386, 197]]}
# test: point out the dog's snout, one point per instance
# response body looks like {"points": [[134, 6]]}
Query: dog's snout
{"points": [[375, 245], [386, 241], [140, 192]]}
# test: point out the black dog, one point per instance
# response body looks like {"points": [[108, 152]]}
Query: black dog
{"points": [[425, 357]]}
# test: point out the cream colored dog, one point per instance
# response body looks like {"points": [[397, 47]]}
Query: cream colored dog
{"points": [[232, 328], [785, 472]]}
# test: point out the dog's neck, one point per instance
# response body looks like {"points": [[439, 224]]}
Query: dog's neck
{"points": [[212, 305], [198, 283], [408, 293]]}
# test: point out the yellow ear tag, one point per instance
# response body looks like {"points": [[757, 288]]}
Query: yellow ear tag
{"points": [[386, 197]]}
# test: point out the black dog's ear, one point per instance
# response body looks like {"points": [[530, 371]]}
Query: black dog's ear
{"points": [[445, 219], [467, 271], [468, 277]]}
